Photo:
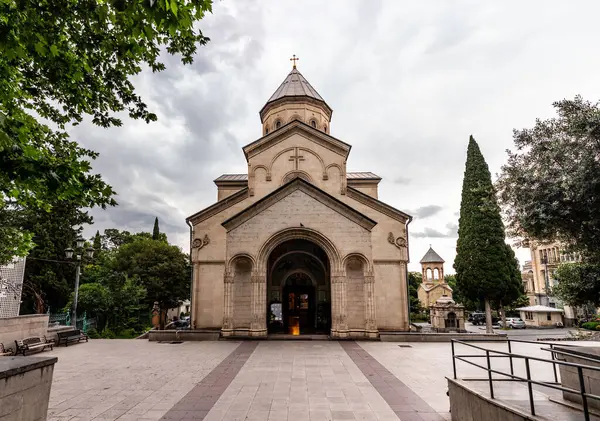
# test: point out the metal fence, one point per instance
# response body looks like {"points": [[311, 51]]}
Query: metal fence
{"points": [[64, 319], [489, 354]]}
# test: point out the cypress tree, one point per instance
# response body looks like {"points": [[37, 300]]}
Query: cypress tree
{"points": [[97, 242], [485, 265], [156, 230]]}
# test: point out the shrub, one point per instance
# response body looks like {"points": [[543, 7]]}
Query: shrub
{"points": [[108, 334], [127, 334], [93, 333], [590, 325], [598, 327]]}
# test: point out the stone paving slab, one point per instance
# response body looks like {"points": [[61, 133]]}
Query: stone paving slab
{"points": [[300, 380], [128, 379], [266, 380]]}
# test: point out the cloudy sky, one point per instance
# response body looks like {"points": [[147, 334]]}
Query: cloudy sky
{"points": [[408, 82]]}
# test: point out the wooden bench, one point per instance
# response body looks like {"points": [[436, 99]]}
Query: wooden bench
{"points": [[5, 352], [74, 335], [32, 344]]}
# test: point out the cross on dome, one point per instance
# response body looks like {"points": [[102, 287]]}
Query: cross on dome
{"points": [[294, 59]]}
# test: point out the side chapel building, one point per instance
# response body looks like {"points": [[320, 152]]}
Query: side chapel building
{"points": [[298, 244]]}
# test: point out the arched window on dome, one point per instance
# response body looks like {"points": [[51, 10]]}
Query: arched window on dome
{"points": [[313, 123], [267, 130], [277, 124], [325, 129]]}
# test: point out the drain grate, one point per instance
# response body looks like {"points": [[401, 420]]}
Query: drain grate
{"points": [[405, 346]]}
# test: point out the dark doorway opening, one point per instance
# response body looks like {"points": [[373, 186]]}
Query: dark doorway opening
{"points": [[298, 289]]}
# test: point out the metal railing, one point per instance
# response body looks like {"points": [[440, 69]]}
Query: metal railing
{"points": [[490, 353]]}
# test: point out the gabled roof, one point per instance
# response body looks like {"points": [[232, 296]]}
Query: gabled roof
{"points": [[434, 286], [378, 205], [295, 86], [308, 188], [220, 206], [296, 126], [431, 257]]}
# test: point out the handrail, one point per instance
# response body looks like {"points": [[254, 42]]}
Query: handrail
{"points": [[530, 382], [570, 354]]}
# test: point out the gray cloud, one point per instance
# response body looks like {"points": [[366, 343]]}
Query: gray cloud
{"points": [[406, 94], [426, 211]]}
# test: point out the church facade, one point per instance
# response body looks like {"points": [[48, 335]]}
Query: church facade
{"points": [[298, 244]]}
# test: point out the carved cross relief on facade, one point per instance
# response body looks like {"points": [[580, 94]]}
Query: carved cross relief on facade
{"points": [[296, 158]]}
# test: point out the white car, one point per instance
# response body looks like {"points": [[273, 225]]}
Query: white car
{"points": [[513, 323]]}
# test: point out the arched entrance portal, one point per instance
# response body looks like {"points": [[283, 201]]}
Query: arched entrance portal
{"points": [[298, 288]]}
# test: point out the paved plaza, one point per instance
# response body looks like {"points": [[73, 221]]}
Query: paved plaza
{"points": [[256, 380]]}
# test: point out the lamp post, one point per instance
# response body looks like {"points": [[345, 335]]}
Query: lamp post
{"points": [[89, 252]]}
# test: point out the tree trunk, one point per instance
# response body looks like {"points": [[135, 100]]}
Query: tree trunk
{"points": [[488, 317], [161, 318], [502, 315]]}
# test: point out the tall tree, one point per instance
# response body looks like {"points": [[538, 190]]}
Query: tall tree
{"points": [[97, 245], [47, 272], [578, 284], [483, 264], [155, 230], [61, 61], [162, 269], [414, 280], [550, 187]]}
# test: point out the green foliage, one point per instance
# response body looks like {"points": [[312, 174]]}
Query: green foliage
{"points": [[93, 333], [155, 230], [70, 58], [458, 296], [162, 269], [127, 334], [97, 244], [590, 325], [62, 61], [44, 275], [94, 299], [578, 284], [549, 187], [414, 280], [41, 170], [113, 238], [108, 334], [486, 268]]}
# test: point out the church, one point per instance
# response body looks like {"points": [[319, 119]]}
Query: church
{"points": [[299, 245]]}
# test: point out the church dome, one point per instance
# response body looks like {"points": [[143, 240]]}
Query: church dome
{"points": [[295, 99]]}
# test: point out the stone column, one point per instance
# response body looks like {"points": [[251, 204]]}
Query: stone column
{"points": [[227, 329], [404, 319], [370, 313], [339, 320], [258, 326]]}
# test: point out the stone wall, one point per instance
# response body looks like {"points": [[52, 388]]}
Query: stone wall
{"points": [[14, 328], [468, 405], [569, 376], [25, 387]]}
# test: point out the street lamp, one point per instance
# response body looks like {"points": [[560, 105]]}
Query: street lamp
{"points": [[89, 252]]}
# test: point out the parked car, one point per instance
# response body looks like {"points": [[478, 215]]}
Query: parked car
{"points": [[478, 318], [514, 323]]}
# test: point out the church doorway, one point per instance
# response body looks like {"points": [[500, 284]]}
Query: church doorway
{"points": [[298, 289]]}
